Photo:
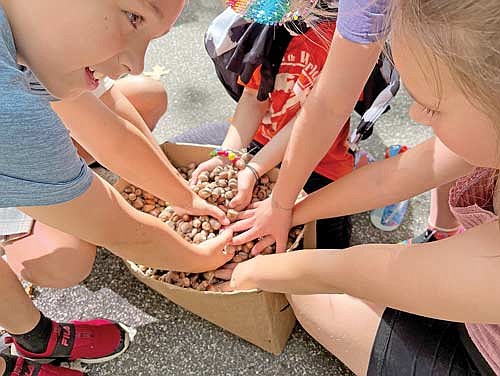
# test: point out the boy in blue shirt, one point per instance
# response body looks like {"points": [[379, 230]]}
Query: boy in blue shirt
{"points": [[69, 49]]}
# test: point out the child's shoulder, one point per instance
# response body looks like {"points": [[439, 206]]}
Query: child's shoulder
{"points": [[16, 99], [7, 46], [13, 87]]}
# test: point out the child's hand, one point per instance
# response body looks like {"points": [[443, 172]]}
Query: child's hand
{"points": [[262, 244], [214, 248], [246, 183], [261, 219], [242, 277], [202, 207], [208, 165]]}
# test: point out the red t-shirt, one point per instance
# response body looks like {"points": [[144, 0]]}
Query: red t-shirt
{"points": [[302, 63]]}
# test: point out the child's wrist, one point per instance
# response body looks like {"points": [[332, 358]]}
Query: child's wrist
{"points": [[275, 204], [254, 172], [218, 159]]}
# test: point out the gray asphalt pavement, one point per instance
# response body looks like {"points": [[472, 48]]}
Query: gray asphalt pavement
{"points": [[170, 340]]}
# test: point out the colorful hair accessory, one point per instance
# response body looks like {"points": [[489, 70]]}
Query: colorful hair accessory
{"points": [[232, 155], [272, 12]]}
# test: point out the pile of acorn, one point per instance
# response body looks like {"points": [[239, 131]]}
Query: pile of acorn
{"points": [[218, 187]]}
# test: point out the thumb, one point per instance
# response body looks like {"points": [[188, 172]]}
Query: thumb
{"points": [[220, 242], [225, 237], [281, 242], [238, 202], [243, 197], [218, 214], [195, 175]]}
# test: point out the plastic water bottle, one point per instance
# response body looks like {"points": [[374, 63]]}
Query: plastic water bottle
{"points": [[390, 217]]}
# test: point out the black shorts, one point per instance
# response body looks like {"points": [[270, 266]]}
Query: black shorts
{"points": [[408, 344]]}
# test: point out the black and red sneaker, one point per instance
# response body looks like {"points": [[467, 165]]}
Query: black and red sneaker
{"points": [[25, 367], [93, 341], [432, 234]]}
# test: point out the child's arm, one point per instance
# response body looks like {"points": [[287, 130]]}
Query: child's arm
{"points": [[426, 166], [272, 153], [454, 279], [423, 167], [246, 119], [325, 111], [267, 158], [101, 216], [127, 151]]}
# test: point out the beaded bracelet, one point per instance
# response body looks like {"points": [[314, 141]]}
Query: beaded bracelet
{"points": [[232, 155]]}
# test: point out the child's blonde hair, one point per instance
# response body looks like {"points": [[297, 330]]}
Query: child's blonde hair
{"points": [[465, 36]]}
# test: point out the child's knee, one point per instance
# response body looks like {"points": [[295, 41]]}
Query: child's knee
{"points": [[147, 95], [66, 272], [158, 100]]}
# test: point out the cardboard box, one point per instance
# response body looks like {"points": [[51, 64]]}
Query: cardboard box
{"points": [[262, 318]]}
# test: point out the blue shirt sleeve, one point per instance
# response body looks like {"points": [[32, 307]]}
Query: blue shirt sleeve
{"points": [[362, 21], [39, 164]]}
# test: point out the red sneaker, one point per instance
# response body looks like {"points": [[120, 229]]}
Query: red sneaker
{"points": [[26, 367], [93, 341]]}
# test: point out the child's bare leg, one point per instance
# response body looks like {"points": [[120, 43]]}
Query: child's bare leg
{"points": [[344, 325], [50, 258], [440, 215], [140, 100], [148, 96], [441, 223], [17, 312], [32, 332]]}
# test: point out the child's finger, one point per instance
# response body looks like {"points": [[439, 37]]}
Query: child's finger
{"points": [[242, 225], [215, 249], [241, 200], [218, 214], [245, 237], [230, 265], [219, 243], [245, 214], [195, 176], [255, 205], [224, 274], [261, 245], [281, 242], [225, 287]]}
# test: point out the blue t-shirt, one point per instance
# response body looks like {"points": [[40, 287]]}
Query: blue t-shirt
{"points": [[362, 21], [39, 164]]}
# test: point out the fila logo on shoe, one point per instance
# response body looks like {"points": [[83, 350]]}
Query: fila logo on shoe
{"points": [[66, 335]]}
